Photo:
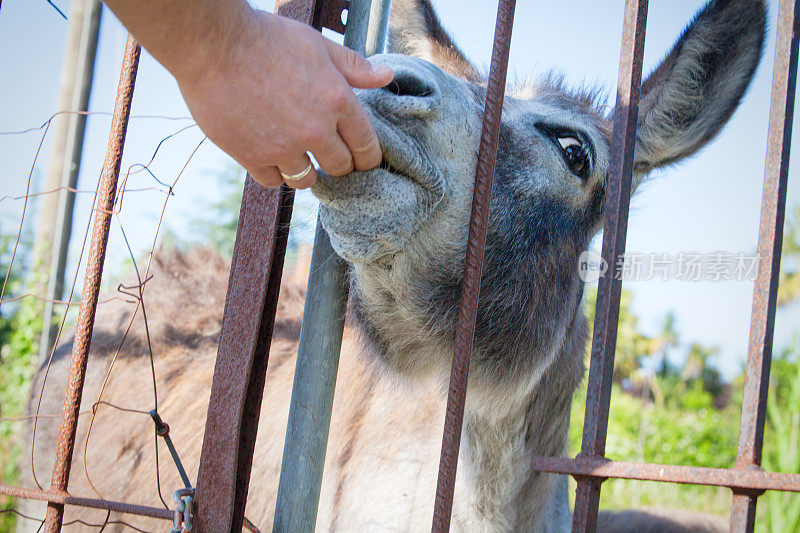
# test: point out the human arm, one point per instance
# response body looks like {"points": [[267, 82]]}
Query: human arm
{"points": [[263, 88]]}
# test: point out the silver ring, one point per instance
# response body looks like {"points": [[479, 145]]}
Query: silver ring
{"points": [[300, 175]]}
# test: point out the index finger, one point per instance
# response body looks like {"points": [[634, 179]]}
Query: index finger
{"points": [[356, 131]]}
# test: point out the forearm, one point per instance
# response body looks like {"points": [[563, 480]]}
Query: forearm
{"points": [[185, 35], [265, 89]]}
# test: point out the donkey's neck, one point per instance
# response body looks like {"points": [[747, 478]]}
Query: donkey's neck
{"points": [[526, 363], [505, 493], [499, 442]]}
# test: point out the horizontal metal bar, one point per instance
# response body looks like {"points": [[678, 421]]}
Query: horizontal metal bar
{"points": [[66, 499], [740, 479]]}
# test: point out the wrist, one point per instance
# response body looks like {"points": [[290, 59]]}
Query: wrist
{"points": [[217, 44]]}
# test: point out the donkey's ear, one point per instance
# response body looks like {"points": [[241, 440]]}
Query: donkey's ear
{"points": [[695, 90], [415, 30]]}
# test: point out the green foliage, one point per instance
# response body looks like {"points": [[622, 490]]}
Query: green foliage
{"points": [[685, 414], [218, 225], [20, 326], [692, 433], [632, 345], [781, 511]]}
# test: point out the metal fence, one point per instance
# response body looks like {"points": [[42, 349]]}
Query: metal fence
{"points": [[254, 282]]}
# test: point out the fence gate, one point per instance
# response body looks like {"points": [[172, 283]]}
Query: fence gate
{"points": [[255, 279]]}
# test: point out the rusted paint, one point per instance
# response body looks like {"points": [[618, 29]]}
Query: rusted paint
{"points": [[770, 239], [601, 367], [255, 279], [65, 499], [242, 357], [599, 468], [319, 14], [473, 266], [91, 285], [247, 324], [328, 14]]}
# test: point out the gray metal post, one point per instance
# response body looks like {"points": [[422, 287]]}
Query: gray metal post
{"points": [[376, 31], [320, 339]]}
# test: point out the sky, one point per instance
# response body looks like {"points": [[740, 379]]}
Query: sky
{"points": [[707, 204]]}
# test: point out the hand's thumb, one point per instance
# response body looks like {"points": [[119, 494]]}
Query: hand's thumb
{"points": [[356, 70]]}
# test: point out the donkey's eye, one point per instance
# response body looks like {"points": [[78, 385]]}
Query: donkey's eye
{"points": [[576, 155]]}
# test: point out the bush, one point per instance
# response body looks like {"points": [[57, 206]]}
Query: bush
{"points": [[19, 335]]}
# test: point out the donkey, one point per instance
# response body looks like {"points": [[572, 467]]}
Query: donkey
{"points": [[402, 230]]}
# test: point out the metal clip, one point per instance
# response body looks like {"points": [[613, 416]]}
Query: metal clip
{"points": [[162, 430], [182, 521]]}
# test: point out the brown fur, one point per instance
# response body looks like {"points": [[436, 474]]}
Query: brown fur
{"points": [[401, 229], [376, 425], [184, 301]]}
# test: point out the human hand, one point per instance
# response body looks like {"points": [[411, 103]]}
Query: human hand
{"points": [[279, 89]]}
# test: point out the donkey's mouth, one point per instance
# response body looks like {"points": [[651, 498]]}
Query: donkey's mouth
{"points": [[372, 214], [388, 167], [397, 171], [405, 158]]}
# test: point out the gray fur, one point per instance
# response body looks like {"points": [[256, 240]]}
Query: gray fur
{"points": [[692, 94], [403, 229]]}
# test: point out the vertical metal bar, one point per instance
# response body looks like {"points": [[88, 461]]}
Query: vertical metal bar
{"points": [[91, 284], [312, 392], [473, 267], [242, 358], [601, 368], [356, 30], [378, 25], [247, 324], [320, 342], [770, 240]]}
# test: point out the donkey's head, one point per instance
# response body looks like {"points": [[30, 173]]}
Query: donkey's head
{"points": [[403, 226]]}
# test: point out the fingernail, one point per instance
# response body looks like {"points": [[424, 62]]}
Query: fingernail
{"points": [[381, 70]]}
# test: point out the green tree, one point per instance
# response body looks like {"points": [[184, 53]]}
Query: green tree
{"points": [[221, 217], [20, 323], [781, 511], [782, 442], [632, 344]]}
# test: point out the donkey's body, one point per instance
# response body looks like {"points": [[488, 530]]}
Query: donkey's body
{"points": [[402, 228], [383, 451]]}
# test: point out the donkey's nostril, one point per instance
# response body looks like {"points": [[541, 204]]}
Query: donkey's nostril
{"points": [[407, 84]]}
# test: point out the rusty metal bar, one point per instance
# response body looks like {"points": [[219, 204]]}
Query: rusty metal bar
{"points": [[327, 13], [247, 324], [597, 467], [770, 241], [473, 267], [65, 499], [91, 285], [618, 189], [242, 357]]}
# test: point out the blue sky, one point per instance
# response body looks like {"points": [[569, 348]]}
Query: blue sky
{"points": [[708, 203]]}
